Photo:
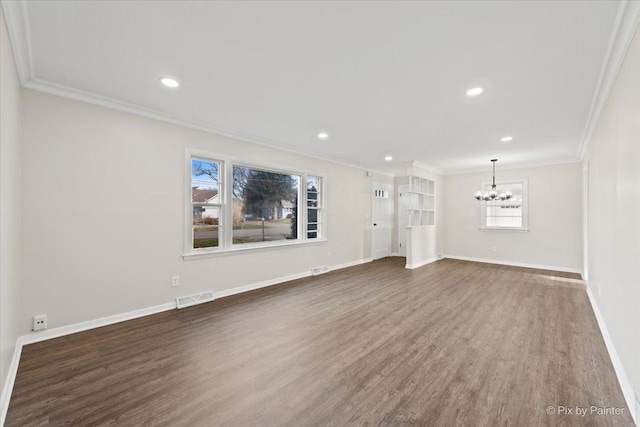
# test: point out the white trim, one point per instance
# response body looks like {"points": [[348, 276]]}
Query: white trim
{"points": [[225, 207], [17, 19], [515, 264], [624, 29], [524, 206], [283, 279], [106, 102], [585, 221], [5, 398], [429, 168], [48, 334], [511, 166], [511, 229], [35, 337], [421, 263], [623, 379], [248, 249]]}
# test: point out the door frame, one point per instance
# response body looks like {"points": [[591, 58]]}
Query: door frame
{"points": [[585, 221], [390, 213]]}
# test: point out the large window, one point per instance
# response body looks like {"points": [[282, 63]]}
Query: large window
{"points": [[506, 214], [233, 206], [265, 205]]}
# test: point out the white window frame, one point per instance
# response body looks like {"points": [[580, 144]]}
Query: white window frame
{"points": [[525, 206], [225, 239]]}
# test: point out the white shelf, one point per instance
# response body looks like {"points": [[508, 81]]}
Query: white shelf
{"points": [[418, 203]]}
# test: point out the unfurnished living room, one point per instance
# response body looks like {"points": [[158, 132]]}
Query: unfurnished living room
{"points": [[319, 213]]}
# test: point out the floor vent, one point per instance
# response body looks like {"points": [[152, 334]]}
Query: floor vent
{"points": [[319, 270], [190, 300]]}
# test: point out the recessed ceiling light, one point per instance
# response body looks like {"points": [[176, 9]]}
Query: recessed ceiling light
{"points": [[388, 158], [474, 91], [323, 135], [507, 139], [169, 82]]}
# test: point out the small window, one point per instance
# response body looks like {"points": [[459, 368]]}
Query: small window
{"points": [[206, 203], [265, 205], [508, 214], [314, 207]]}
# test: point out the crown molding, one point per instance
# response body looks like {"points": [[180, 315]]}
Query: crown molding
{"points": [[624, 29], [511, 166], [427, 167], [17, 19], [44, 86]]}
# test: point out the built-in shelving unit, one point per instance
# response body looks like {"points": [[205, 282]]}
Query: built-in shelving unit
{"points": [[417, 206]]}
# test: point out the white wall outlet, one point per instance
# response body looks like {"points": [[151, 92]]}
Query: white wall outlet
{"points": [[329, 254], [494, 249], [39, 322], [175, 281]]}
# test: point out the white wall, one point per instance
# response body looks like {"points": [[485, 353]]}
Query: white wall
{"points": [[103, 197], [554, 239], [10, 128], [613, 157]]}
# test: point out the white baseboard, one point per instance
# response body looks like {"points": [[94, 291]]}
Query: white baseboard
{"points": [[10, 380], [515, 264], [350, 264], [421, 263], [623, 379], [276, 281], [48, 334]]}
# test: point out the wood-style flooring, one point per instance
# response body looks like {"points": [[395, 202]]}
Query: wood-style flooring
{"points": [[450, 343]]}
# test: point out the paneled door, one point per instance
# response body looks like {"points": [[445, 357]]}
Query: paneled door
{"points": [[382, 217]]}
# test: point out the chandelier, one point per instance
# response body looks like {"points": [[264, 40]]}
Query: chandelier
{"points": [[493, 194]]}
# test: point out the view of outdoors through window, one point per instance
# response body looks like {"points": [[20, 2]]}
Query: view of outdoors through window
{"points": [[265, 205], [505, 213], [206, 203]]}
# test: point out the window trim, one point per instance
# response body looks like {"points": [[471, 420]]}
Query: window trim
{"points": [[525, 207], [225, 243]]}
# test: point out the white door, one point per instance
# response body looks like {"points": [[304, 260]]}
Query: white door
{"points": [[382, 217]]}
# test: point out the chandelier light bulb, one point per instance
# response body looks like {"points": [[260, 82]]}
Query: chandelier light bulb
{"points": [[493, 193]]}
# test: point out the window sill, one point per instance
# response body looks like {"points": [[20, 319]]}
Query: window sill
{"points": [[516, 230], [244, 250]]}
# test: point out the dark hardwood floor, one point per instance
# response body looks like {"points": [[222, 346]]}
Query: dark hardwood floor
{"points": [[451, 343]]}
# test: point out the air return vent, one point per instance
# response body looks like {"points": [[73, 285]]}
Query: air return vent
{"points": [[194, 299], [319, 270]]}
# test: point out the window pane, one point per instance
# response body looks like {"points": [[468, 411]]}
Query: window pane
{"points": [[265, 205], [505, 213], [206, 221], [314, 204], [312, 215], [205, 182]]}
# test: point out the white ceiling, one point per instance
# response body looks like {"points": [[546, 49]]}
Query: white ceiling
{"points": [[383, 78]]}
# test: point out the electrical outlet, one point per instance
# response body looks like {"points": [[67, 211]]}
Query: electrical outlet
{"points": [[329, 254], [39, 322], [175, 281], [494, 249]]}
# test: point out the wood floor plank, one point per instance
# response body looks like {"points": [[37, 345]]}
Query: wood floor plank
{"points": [[450, 343]]}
